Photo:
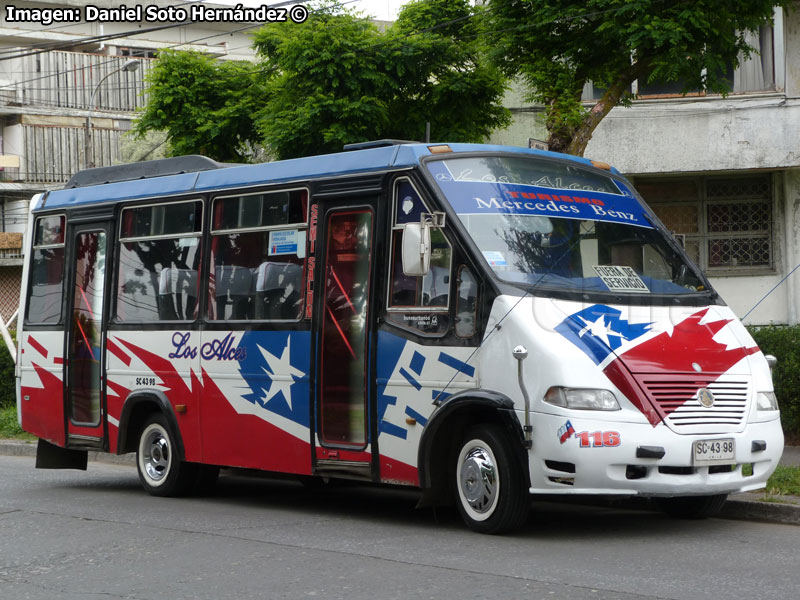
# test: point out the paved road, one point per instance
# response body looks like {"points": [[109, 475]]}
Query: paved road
{"points": [[71, 535]]}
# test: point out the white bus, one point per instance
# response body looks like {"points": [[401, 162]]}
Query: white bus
{"points": [[485, 323]]}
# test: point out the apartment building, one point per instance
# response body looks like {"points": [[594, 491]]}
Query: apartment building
{"points": [[68, 93], [722, 172]]}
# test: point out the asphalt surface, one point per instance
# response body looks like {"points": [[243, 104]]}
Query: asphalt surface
{"points": [[73, 535], [756, 506]]}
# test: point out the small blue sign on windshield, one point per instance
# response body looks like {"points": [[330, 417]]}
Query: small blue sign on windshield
{"points": [[497, 197]]}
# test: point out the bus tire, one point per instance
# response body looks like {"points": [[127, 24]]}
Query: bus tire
{"points": [[161, 472], [490, 489], [691, 507]]}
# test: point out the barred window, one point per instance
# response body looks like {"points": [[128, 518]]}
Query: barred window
{"points": [[726, 223]]}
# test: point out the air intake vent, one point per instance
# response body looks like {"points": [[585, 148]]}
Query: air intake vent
{"points": [[677, 397]]}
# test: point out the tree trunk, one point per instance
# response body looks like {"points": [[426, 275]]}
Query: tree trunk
{"points": [[574, 140]]}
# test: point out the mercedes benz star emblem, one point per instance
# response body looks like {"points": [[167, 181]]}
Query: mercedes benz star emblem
{"points": [[705, 397]]}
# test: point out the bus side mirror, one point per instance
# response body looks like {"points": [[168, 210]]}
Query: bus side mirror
{"points": [[416, 249]]}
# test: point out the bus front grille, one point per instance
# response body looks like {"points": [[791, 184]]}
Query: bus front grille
{"points": [[677, 398]]}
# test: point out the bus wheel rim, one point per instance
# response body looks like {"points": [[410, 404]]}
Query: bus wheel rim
{"points": [[478, 480], [157, 455]]}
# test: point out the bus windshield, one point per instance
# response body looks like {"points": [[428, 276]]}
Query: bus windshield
{"points": [[545, 223]]}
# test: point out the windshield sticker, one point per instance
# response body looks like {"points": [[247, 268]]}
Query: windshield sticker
{"points": [[497, 197], [620, 279], [495, 258]]}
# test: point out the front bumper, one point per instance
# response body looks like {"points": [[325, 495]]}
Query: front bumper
{"points": [[600, 457]]}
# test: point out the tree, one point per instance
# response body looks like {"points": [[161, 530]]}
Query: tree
{"points": [[557, 46], [331, 80], [204, 105]]}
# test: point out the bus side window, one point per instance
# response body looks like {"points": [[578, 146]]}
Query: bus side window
{"points": [[158, 262], [258, 251], [47, 270], [418, 302], [466, 303]]}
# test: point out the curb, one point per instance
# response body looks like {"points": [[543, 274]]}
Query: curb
{"points": [[746, 506]]}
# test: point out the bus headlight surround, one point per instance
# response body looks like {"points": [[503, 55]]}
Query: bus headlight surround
{"points": [[581, 398]]}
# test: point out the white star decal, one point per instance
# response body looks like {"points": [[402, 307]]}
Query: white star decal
{"points": [[281, 372], [599, 329]]}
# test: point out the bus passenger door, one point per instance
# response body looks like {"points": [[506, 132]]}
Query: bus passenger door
{"points": [[84, 365], [342, 409]]}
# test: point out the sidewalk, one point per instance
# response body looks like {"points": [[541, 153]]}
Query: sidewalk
{"points": [[758, 507], [754, 506]]}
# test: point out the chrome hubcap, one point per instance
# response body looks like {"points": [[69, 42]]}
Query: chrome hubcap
{"points": [[156, 455], [478, 480]]}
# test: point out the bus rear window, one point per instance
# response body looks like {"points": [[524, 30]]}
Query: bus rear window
{"points": [[49, 231], [47, 271]]}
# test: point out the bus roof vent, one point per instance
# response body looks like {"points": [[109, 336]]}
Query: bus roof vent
{"points": [[142, 170], [376, 144]]}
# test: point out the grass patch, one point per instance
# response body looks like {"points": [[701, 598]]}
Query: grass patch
{"points": [[785, 481], [9, 428]]}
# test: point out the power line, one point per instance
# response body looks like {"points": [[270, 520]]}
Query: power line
{"points": [[116, 58], [51, 28], [50, 46], [90, 40]]}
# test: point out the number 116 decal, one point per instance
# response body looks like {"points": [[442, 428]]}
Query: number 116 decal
{"points": [[598, 439]]}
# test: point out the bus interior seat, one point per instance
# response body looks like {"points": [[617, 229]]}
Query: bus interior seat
{"points": [[436, 287], [278, 290], [177, 294], [465, 306], [233, 288]]}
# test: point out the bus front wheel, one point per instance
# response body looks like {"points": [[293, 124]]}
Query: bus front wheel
{"points": [[161, 472], [491, 494]]}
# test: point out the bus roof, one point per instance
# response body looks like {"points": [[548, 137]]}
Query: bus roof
{"points": [[237, 176]]}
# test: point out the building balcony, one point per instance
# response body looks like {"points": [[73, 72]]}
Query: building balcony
{"points": [[61, 81]]}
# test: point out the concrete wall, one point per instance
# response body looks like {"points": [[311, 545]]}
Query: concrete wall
{"points": [[678, 136]]}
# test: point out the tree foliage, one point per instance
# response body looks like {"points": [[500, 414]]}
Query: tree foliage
{"points": [[332, 80], [204, 105], [556, 46]]}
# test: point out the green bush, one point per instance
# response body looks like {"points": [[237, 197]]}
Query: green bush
{"points": [[783, 342], [7, 389]]}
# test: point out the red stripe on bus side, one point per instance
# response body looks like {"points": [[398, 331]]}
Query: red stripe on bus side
{"points": [[37, 346], [118, 352]]}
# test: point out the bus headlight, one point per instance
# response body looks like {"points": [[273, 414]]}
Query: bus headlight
{"points": [[581, 399], [766, 401]]}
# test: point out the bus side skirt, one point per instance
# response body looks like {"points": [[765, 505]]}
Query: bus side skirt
{"points": [[455, 414], [50, 456]]}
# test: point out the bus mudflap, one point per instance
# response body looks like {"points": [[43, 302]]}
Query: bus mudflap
{"points": [[50, 456]]}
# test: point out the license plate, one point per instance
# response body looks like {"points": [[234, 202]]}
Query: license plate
{"points": [[710, 452]]}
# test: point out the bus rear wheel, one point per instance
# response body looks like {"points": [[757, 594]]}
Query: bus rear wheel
{"points": [[691, 507], [161, 472], [490, 490]]}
